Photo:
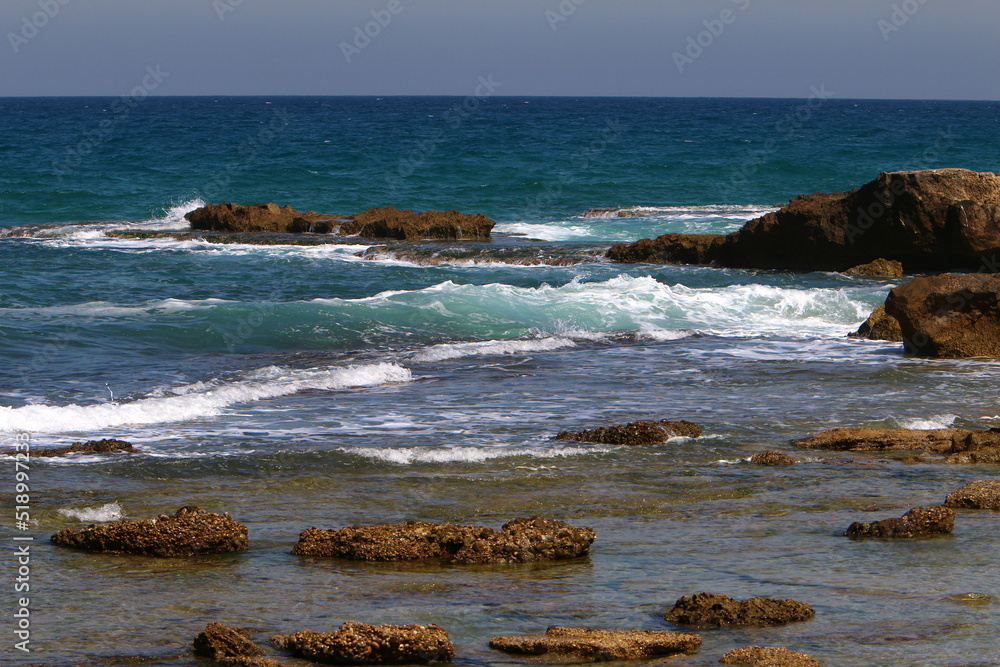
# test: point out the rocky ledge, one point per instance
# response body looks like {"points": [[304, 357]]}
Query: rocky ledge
{"points": [[518, 541], [930, 220], [192, 531], [983, 494], [918, 522], [959, 445], [105, 446], [635, 433], [218, 641], [364, 644], [388, 223], [715, 610], [768, 656], [771, 459], [879, 326], [579, 644]]}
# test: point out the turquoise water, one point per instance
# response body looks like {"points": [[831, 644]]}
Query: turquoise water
{"points": [[297, 386]]}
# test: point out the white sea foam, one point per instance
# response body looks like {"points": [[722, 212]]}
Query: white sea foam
{"points": [[748, 212], [110, 512], [412, 455], [930, 423], [491, 348], [105, 309], [211, 400]]}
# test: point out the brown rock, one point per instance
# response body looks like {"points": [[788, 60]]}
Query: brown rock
{"points": [[863, 438], [935, 219], [771, 459], [714, 610], [975, 457], [247, 661], [599, 645], [221, 641], [766, 656], [106, 446], [192, 531], [229, 217], [518, 541], [948, 315], [918, 522], [982, 494], [880, 268], [879, 326], [635, 433], [364, 644]]}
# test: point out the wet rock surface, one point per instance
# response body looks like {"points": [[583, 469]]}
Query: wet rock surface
{"points": [[221, 641], [518, 541], [715, 610], [599, 645], [768, 656], [879, 326], [918, 522], [105, 446], [364, 644], [191, 531], [771, 459], [863, 438], [983, 494], [880, 268], [635, 433]]}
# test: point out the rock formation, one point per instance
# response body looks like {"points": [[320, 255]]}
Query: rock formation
{"points": [[918, 522], [192, 531], [518, 541], [105, 446], [768, 656], [221, 641], [714, 610], [582, 644], [879, 268], [936, 219], [771, 459], [959, 445], [879, 326], [635, 433], [364, 644], [982, 494]]}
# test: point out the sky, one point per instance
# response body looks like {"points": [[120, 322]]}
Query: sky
{"points": [[922, 49]]}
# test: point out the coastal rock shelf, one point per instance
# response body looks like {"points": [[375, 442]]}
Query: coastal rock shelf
{"points": [[935, 219], [518, 541], [579, 644], [191, 531], [635, 433], [715, 610], [918, 522], [218, 641], [959, 445], [104, 446], [364, 644], [983, 494], [768, 656]]}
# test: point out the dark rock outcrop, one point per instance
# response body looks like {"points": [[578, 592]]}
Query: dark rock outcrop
{"points": [[879, 326], [935, 219], [635, 433], [714, 610], [879, 268], [949, 315], [105, 446], [221, 641], [387, 222], [772, 459], [191, 531], [579, 644], [768, 656], [983, 494], [364, 644], [959, 445], [918, 522], [518, 541]]}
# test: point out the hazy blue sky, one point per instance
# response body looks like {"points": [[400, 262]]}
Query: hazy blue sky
{"points": [[769, 48]]}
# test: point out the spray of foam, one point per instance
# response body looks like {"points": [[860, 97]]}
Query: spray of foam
{"points": [[109, 512]]}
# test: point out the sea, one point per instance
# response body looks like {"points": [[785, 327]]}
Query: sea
{"points": [[346, 383]]}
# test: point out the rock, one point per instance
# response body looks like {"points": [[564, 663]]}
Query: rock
{"points": [[248, 661], [918, 522], [364, 644], [221, 641], [771, 459], [635, 433], [599, 645], [948, 315], [880, 268], [766, 656], [879, 326], [518, 541], [106, 446], [982, 494], [373, 223], [192, 531], [934, 219], [863, 438], [714, 610]]}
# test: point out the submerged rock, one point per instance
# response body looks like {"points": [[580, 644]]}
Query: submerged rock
{"points": [[635, 433], [105, 446], [772, 459], [518, 541], [221, 641], [192, 531], [880, 268], [599, 645], [948, 316], [715, 610], [863, 438], [879, 326], [918, 522], [983, 494], [364, 644], [768, 656], [934, 219]]}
